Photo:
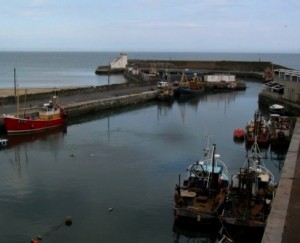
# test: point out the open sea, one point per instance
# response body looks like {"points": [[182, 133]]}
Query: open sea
{"points": [[115, 172]]}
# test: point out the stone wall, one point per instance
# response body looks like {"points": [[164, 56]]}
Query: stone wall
{"points": [[244, 66], [109, 103]]}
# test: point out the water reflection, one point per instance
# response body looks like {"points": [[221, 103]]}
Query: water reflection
{"points": [[21, 148], [53, 134], [163, 108], [92, 116], [190, 233], [278, 155]]}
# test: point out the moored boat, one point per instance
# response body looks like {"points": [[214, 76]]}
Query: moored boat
{"points": [[278, 109], [186, 87], [258, 129], [249, 199], [199, 198], [50, 115], [164, 91], [281, 128]]}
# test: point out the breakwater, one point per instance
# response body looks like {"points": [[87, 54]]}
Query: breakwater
{"points": [[81, 108], [233, 66], [42, 94], [239, 68], [88, 100]]}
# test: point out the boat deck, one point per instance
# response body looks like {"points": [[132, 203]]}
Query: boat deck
{"points": [[202, 204]]}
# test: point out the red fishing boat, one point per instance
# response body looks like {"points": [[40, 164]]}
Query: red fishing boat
{"points": [[49, 116], [258, 129]]}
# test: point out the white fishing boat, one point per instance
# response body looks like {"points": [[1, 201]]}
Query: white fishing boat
{"points": [[278, 109]]}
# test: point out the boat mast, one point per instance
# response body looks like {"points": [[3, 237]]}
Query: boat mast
{"points": [[211, 174], [213, 179], [16, 93], [17, 104], [213, 159], [24, 114], [15, 82]]}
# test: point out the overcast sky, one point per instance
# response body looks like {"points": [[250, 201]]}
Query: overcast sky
{"points": [[150, 25]]}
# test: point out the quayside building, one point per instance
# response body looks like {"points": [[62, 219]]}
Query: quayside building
{"points": [[283, 89]]}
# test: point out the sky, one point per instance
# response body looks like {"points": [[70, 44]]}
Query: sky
{"points": [[151, 25]]}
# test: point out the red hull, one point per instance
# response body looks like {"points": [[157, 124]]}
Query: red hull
{"points": [[17, 139], [15, 125], [263, 141]]}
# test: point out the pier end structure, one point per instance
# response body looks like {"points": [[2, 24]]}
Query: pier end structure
{"points": [[118, 65]]}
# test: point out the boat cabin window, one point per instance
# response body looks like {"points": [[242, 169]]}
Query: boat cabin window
{"points": [[295, 79]]}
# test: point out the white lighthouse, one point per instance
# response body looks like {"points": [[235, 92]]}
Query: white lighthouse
{"points": [[120, 62]]}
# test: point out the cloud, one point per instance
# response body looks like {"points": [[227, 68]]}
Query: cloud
{"points": [[178, 24]]}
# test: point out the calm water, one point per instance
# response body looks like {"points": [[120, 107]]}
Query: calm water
{"points": [[127, 159], [56, 69]]}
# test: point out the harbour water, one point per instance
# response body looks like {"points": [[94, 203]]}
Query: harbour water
{"points": [[115, 172], [127, 160]]}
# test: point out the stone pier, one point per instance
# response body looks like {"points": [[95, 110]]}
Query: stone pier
{"points": [[284, 219]]}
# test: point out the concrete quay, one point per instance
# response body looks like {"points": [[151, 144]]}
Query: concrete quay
{"points": [[85, 107], [78, 101], [284, 219]]}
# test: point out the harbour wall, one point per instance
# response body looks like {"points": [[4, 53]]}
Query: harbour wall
{"points": [[67, 91], [266, 98], [254, 69], [283, 222], [233, 66], [81, 108], [239, 68], [92, 99]]}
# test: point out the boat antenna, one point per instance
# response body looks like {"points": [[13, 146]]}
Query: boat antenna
{"points": [[255, 154]]}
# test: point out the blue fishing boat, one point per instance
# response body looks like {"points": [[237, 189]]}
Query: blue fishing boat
{"points": [[186, 87]]}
